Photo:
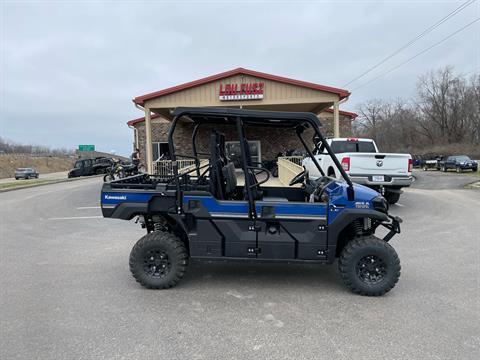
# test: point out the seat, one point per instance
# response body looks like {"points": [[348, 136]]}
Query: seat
{"points": [[230, 179], [223, 180], [256, 192]]}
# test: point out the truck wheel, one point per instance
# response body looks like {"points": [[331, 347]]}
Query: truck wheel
{"points": [[369, 266], [158, 260], [392, 197]]}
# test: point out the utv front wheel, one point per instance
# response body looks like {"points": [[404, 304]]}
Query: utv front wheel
{"points": [[369, 266], [158, 260]]}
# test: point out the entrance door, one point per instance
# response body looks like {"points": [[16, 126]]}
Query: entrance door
{"points": [[160, 150], [234, 154]]}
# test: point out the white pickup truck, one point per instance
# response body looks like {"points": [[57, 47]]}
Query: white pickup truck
{"points": [[386, 173]]}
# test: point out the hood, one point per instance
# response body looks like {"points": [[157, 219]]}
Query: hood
{"points": [[364, 193]]}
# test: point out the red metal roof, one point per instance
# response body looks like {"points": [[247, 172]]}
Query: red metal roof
{"points": [[140, 100], [141, 119], [351, 115]]}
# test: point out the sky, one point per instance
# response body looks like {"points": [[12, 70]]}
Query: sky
{"points": [[69, 69]]}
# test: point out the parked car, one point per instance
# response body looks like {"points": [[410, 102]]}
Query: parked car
{"points": [[361, 160], [457, 162], [95, 166], [26, 173]]}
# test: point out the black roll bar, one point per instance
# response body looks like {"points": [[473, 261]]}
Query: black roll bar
{"points": [[248, 183], [171, 148], [299, 134], [350, 192], [194, 148]]}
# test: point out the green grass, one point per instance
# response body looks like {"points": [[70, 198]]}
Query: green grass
{"points": [[23, 183]]}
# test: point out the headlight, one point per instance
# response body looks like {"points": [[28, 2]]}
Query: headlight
{"points": [[380, 204]]}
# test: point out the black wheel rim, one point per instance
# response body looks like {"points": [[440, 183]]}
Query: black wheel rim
{"points": [[371, 269], [157, 263]]}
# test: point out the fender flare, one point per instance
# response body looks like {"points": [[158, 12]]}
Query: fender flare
{"points": [[343, 220]]}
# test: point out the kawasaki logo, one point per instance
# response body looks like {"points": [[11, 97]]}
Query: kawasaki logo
{"points": [[115, 197]]}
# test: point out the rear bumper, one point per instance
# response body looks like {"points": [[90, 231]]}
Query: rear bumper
{"points": [[397, 180]]}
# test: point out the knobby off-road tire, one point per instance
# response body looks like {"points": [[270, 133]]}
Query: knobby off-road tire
{"points": [[158, 260], [392, 197], [369, 266], [108, 177]]}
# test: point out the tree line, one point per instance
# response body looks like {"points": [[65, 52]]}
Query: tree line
{"points": [[9, 147], [443, 116]]}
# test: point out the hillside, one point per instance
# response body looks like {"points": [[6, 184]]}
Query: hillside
{"points": [[43, 164]]}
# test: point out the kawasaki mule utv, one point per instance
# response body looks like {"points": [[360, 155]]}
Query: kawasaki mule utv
{"points": [[202, 213]]}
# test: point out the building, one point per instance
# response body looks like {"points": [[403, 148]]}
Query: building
{"points": [[238, 88]]}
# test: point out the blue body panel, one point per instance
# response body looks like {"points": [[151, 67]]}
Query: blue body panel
{"points": [[115, 198], [218, 206], [336, 190], [337, 194]]}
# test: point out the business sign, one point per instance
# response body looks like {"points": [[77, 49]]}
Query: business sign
{"points": [[86, 147], [244, 91]]}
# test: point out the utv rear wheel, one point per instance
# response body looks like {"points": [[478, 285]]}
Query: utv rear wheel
{"points": [[158, 260], [392, 197], [369, 266]]}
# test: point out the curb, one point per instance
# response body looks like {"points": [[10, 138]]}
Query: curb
{"points": [[475, 185], [58, 181]]}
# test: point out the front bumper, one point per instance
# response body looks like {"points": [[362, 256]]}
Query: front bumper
{"points": [[469, 167], [393, 226], [396, 180]]}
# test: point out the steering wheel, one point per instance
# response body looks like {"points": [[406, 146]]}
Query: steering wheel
{"points": [[322, 184], [298, 178]]}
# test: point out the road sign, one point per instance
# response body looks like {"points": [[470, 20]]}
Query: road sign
{"points": [[86, 147]]}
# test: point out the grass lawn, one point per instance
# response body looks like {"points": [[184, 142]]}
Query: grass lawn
{"points": [[23, 183]]}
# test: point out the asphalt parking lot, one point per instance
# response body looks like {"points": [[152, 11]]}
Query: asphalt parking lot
{"points": [[67, 293]]}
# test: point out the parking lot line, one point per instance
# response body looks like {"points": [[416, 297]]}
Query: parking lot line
{"points": [[76, 218], [88, 207]]}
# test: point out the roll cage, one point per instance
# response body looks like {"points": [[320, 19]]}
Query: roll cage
{"points": [[297, 121]]}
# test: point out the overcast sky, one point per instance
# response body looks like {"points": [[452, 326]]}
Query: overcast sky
{"points": [[70, 69]]}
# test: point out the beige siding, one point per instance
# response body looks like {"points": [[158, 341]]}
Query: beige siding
{"points": [[274, 93]]}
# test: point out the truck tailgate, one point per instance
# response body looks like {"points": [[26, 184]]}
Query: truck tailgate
{"points": [[378, 164]]}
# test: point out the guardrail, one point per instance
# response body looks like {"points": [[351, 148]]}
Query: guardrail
{"points": [[288, 168]]}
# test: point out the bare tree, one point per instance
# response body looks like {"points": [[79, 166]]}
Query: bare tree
{"points": [[445, 111]]}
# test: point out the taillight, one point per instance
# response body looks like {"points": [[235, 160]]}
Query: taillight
{"points": [[346, 163], [410, 165]]}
